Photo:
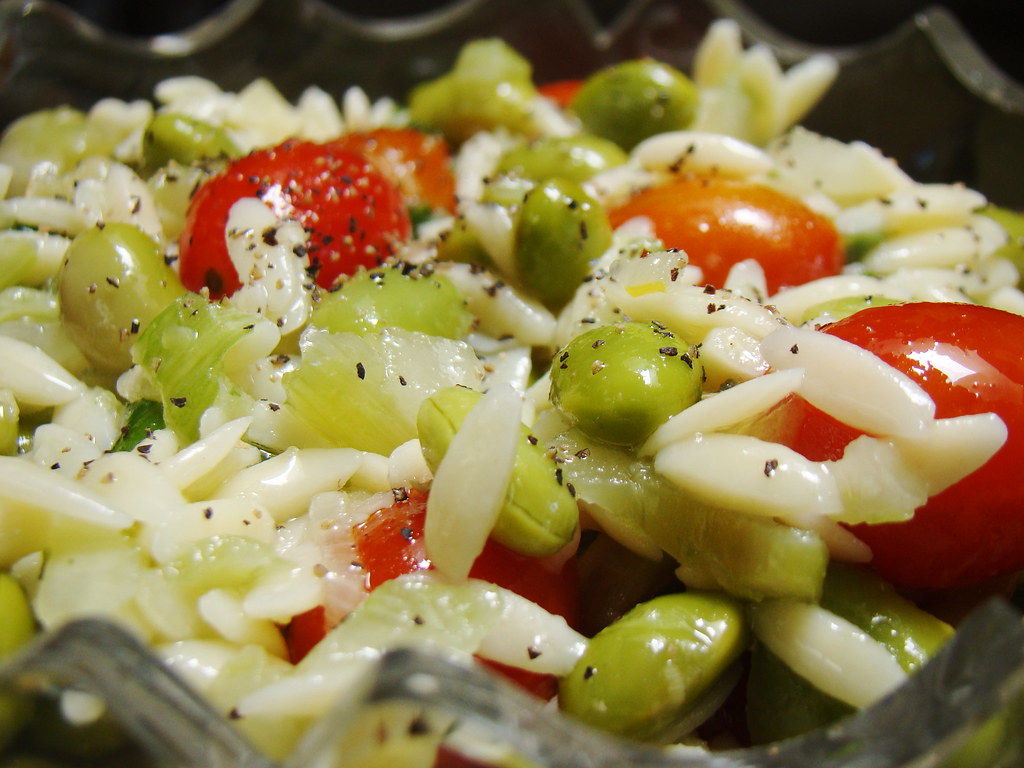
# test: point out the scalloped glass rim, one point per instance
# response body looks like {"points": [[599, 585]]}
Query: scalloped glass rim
{"points": [[924, 93], [945, 114], [974, 678]]}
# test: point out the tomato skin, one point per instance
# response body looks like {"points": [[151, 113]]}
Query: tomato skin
{"points": [[721, 222], [562, 92], [303, 632], [390, 543], [417, 162], [968, 359], [353, 214]]}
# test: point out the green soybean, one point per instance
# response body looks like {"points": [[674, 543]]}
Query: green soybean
{"points": [[490, 86], [113, 281], [642, 674], [618, 383], [539, 515], [781, 704], [186, 140], [628, 102], [395, 296], [560, 230], [576, 158], [17, 626]]}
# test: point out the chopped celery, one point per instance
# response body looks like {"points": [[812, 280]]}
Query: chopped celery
{"points": [[17, 257], [9, 419], [143, 418], [16, 628], [190, 351], [221, 561], [747, 556], [364, 391], [911, 634]]}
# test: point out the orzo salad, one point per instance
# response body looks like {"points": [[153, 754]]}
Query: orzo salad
{"points": [[696, 424]]}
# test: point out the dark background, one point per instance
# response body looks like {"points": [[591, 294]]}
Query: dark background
{"points": [[997, 25]]}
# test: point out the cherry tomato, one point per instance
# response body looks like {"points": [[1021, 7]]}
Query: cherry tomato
{"points": [[720, 222], [303, 632], [562, 92], [390, 543], [968, 359], [416, 161], [354, 215]]}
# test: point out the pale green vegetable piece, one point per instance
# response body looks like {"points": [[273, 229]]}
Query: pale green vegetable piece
{"points": [[189, 351], [640, 675], [9, 414], [633, 100], [113, 282], [619, 383], [221, 562], [837, 309], [489, 87], [539, 515], [17, 626], [363, 390], [560, 231], [395, 296]]}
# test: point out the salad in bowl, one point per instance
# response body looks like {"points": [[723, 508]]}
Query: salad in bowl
{"points": [[653, 420]]}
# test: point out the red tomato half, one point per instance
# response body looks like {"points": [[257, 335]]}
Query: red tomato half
{"points": [[390, 543], [417, 162], [968, 359], [720, 222], [353, 214], [562, 92]]}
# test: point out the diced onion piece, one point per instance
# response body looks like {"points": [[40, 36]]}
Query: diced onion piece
{"points": [[884, 401], [832, 654], [470, 483]]}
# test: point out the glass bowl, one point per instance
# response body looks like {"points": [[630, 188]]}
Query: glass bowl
{"points": [[945, 113]]}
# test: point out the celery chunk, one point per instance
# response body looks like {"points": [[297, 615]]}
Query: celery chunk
{"points": [[191, 350], [364, 391]]}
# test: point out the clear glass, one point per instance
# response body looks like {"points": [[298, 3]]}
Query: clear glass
{"points": [[941, 110]]}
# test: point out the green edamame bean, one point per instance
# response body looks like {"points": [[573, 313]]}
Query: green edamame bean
{"points": [[631, 101], [640, 675], [172, 136], [490, 86], [575, 158], [781, 704], [618, 383], [539, 515], [114, 280], [17, 626], [395, 296], [560, 230]]}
